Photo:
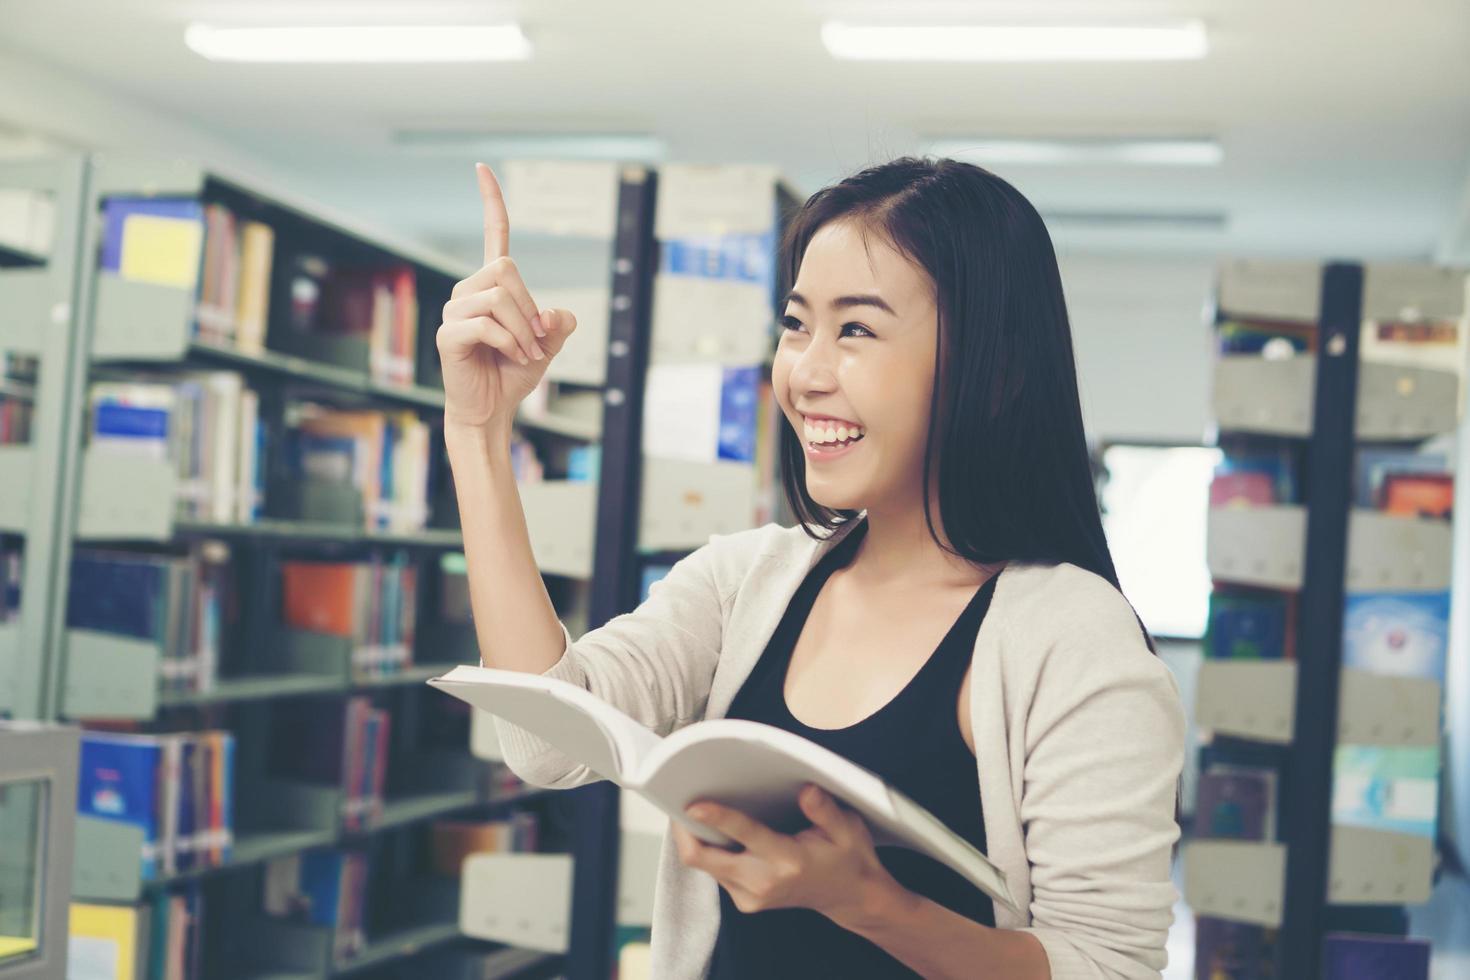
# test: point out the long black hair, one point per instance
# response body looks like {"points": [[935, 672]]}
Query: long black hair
{"points": [[1015, 477]]}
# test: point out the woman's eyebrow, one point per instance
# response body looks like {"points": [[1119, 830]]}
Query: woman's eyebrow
{"points": [[842, 302]]}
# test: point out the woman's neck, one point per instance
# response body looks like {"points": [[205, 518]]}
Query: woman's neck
{"points": [[897, 547]]}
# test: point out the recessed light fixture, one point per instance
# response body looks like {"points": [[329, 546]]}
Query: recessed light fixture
{"points": [[1078, 152], [360, 43], [1041, 42], [620, 147]]}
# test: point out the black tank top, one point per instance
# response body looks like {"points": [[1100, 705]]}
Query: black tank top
{"points": [[914, 744]]}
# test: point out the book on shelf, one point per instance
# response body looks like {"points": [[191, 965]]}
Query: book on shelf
{"points": [[1236, 803], [1276, 339], [17, 415], [183, 605], [207, 425], [10, 578], [176, 788], [1373, 466], [203, 247], [335, 743], [1419, 495], [1226, 950], [322, 887], [701, 412], [1356, 956], [1254, 477], [1391, 788], [1397, 634], [384, 456], [156, 240], [451, 841], [109, 941], [372, 603], [1250, 624], [373, 306], [752, 767]]}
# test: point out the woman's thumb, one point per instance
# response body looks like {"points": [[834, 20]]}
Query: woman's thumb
{"points": [[559, 325]]}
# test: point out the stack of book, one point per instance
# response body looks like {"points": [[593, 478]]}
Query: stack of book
{"points": [[15, 418], [322, 887], [207, 249], [183, 605], [10, 557], [178, 789], [1235, 802], [383, 456], [206, 425], [335, 742], [455, 840], [372, 306], [373, 603]]}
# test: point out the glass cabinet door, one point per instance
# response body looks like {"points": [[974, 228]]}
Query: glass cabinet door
{"points": [[22, 858]]}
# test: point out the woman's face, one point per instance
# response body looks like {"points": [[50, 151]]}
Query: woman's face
{"points": [[856, 353]]}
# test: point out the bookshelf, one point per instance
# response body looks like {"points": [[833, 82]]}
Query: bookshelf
{"points": [[58, 492], [1347, 389]]}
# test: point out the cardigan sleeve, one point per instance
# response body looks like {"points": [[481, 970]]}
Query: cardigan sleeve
{"points": [[654, 664], [1104, 749]]}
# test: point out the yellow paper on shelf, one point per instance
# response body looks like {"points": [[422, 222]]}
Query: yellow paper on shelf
{"points": [[15, 946], [161, 250], [100, 933]]}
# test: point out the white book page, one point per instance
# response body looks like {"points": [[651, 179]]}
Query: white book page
{"points": [[759, 770], [572, 720], [754, 768]]}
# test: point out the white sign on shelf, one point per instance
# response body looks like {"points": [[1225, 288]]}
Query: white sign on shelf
{"points": [[561, 197], [695, 200], [1243, 881]]}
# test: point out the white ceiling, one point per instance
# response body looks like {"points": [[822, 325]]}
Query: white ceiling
{"points": [[1345, 125]]}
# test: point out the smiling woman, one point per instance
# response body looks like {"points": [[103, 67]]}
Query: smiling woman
{"points": [[946, 615]]}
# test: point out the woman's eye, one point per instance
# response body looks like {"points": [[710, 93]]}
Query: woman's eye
{"points": [[792, 323]]}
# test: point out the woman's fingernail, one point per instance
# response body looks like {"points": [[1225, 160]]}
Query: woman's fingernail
{"points": [[536, 326], [537, 352]]}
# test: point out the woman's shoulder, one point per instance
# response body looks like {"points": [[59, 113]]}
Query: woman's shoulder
{"points": [[1061, 608]]}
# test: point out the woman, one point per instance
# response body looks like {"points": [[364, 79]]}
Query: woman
{"points": [[985, 663]]}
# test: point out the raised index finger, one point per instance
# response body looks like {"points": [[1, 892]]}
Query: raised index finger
{"points": [[497, 222]]}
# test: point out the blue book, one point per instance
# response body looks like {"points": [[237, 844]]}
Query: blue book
{"points": [[227, 794], [1393, 788], [321, 884], [1246, 627], [584, 463], [116, 212], [739, 397], [119, 595], [1402, 634], [1351, 956], [187, 843], [119, 780], [734, 257]]}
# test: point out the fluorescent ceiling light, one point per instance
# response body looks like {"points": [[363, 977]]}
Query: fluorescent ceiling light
{"points": [[549, 146], [380, 43], [1076, 152], [974, 42]]}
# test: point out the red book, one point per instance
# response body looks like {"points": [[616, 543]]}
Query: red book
{"points": [[1419, 494]]}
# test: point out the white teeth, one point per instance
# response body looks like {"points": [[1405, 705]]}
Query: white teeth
{"points": [[840, 433]]}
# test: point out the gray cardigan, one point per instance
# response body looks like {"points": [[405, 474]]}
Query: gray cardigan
{"points": [[1079, 740]]}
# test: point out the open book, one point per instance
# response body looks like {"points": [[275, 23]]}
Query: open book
{"points": [[751, 767]]}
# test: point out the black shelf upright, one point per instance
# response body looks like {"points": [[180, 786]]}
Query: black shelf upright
{"points": [[1307, 792], [616, 576]]}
